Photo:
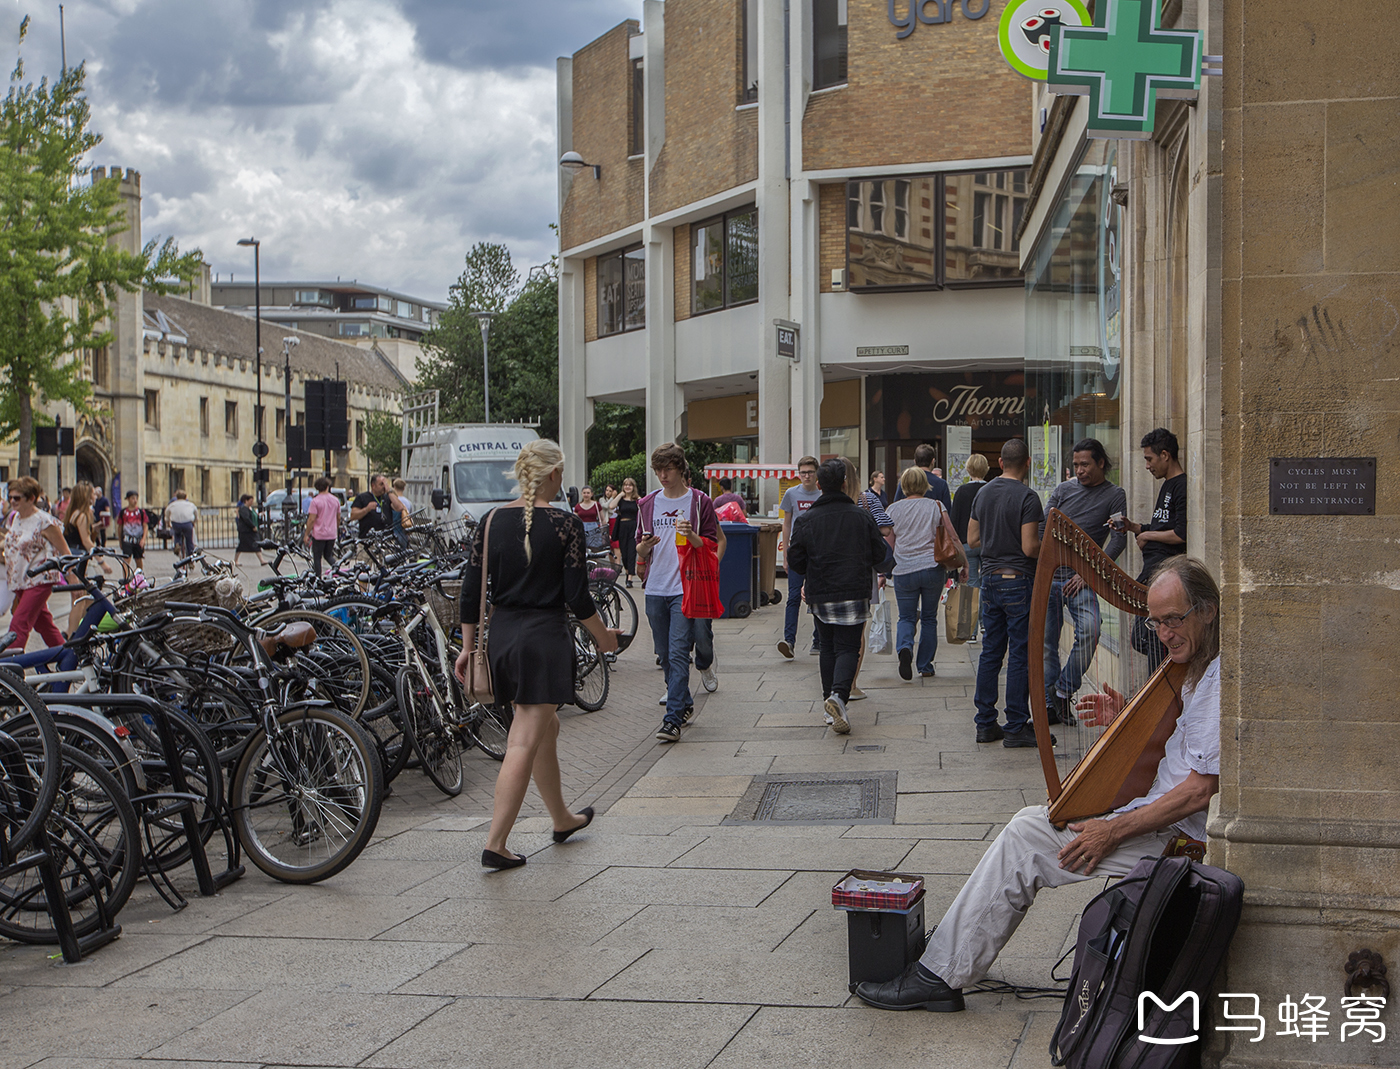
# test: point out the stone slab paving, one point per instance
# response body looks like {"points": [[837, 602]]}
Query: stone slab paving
{"points": [[661, 937]]}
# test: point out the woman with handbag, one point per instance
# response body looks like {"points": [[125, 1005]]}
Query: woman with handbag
{"points": [[925, 546], [32, 536], [590, 511], [529, 558]]}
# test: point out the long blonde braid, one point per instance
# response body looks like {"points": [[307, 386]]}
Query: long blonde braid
{"points": [[532, 467]]}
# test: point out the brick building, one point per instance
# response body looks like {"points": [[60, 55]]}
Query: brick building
{"points": [[830, 165]]}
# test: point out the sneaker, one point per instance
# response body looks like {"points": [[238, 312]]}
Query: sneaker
{"points": [[856, 695], [1024, 738], [836, 715], [927, 673], [688, 717], [785, 648], [709, 679], [906, 664], [668, 732], [990, 734], [662, 701], [814, 652]]}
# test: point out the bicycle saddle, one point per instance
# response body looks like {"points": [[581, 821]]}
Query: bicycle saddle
{"points": [[7, 640], [294, 636]]}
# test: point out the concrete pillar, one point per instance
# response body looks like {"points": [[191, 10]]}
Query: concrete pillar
{"points": [[126, 357], [575, 407], [665, 401], [806, 376], [774, 373]]}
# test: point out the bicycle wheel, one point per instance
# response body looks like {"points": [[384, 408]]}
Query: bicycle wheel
{"points": [[95, 837], [616, 607], [488, 727], [27, 788], [590, 670], [426, 724], [306, 800], [338, 651], [385, 722]]}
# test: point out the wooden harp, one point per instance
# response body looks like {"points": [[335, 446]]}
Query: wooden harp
{"points": [[1121, 763]]}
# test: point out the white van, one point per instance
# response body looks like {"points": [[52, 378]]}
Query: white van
{"points": [[469, 461]]}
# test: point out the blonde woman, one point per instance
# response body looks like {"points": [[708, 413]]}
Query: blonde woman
{"points": [[537, 565], [625, 536]]}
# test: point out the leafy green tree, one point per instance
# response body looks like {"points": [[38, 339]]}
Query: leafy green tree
{"points": [[384, 441], [524, 353], [62, 270], [618, 432]]}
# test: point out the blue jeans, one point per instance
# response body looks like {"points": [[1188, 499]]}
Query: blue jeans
{"points": [[974, 566], [1084, 611], [702, 634], [1006, 612], [671, 636], [794, 609], [908, 589]]}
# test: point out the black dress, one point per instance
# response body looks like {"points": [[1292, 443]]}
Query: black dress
{"points": [[625, 534], [528, 643], [247, 525]]}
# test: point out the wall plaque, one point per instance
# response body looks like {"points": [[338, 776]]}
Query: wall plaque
{"points": [[1322, 486]]}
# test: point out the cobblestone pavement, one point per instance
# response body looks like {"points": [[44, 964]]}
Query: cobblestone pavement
{"points": [[670, 934]]}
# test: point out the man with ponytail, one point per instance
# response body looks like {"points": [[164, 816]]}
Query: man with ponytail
{"points": [[675, 511]]}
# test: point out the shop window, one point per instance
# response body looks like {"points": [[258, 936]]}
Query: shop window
{"points": [[637, 142], [983, 213], [748, 78], [828, 43], [622, 293], [724, 255], [892, 233]]}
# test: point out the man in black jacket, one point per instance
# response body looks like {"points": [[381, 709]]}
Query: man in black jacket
{"points": [[836, 545]]}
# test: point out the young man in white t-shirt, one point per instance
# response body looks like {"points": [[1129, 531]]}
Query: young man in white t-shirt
{"points": [[663, 515]]}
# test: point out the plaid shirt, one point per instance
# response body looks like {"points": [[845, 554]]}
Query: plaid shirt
{"points": [[841, 613]]}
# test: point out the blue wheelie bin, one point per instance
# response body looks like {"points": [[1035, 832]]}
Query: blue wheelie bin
{"points": [[738, 572]]}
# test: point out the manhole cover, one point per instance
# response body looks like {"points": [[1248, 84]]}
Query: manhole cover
{"points": [[867, 749], [818, 799]]}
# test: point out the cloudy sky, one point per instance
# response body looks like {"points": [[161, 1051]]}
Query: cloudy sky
{"points": [[368, 139]]}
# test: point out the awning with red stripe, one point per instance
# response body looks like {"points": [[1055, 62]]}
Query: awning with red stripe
{"points": [[750, 471]]}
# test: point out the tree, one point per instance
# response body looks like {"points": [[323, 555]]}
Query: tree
{"points": [[62, 270], [618, 433], [524, 352], [384, 441]]}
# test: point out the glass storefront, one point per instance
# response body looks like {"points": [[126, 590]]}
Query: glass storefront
{"points": [[1074, 323]]}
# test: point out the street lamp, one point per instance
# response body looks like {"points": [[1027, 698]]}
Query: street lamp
{"points": [[484, 318], [572, 161], [259, 446]]}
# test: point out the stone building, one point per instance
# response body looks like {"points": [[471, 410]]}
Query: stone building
{"points": [[1233, 277], [829, 167], [176, 393]]}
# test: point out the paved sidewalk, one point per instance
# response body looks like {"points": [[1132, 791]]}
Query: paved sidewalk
{"points": [[661, 937]]}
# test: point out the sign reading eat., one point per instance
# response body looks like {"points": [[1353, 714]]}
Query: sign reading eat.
{"points": [[1123, 63]]}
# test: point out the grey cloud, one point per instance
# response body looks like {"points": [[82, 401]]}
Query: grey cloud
{"points": [[472, 34]]}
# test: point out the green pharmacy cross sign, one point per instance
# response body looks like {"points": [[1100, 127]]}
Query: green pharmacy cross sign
{"points": [[1123, 63]]}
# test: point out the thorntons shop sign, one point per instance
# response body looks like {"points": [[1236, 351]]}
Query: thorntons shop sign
{"points": [[903, 407]]}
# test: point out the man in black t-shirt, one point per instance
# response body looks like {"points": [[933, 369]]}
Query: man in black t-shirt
{"points": [[1165, 536], [1005, 525], [368, 510]]}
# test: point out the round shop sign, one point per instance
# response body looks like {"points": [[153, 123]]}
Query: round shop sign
{"points": [[1026, 25]]}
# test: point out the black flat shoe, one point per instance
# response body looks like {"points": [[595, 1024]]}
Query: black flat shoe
{"points": [[563, 836], [493, 860], [915, 989]]}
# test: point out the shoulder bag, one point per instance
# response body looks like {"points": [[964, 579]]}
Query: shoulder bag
{"points": [[479, 686], [946, 546]]}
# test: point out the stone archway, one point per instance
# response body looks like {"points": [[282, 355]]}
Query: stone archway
{"points": [[92, 465]]}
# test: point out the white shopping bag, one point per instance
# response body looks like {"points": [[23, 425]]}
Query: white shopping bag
{"points": [[7, 595], [879, 637]]}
